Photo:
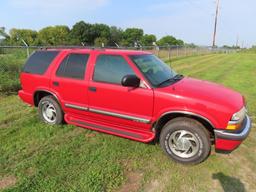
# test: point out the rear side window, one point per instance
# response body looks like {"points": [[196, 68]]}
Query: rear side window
{"points": [[111, 69], [73, 66], [39, 62]]}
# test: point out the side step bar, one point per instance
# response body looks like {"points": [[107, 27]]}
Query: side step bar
{"points": [[137, 135]]}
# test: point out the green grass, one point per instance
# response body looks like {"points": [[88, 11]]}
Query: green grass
{"points": [[67, 158]]}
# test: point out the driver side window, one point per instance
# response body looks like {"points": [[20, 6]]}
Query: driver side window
{"points": [[111, 69]]}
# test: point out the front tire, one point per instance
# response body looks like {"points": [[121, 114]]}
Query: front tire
{"points": [[185, 141], [50, 111]]}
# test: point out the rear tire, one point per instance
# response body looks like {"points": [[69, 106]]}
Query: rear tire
{"points": [[50, 111], [185, 140]]}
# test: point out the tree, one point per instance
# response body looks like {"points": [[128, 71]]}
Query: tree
{"points": [[80, 33], [132, 35], [190, 45], [87, 33], [100, 31], [116, 35], [169, 40], [17, 35], [4, 37], [3, 33], [231, 47], [147, 40], [179, 42], [99, 41], [56, 35]]}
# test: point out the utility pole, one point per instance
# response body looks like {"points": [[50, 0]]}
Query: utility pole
{"points": [[215, 24]]}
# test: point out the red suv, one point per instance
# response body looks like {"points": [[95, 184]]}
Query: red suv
{"points": [[133, 94]]}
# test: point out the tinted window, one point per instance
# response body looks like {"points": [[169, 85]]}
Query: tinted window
{"points": [[73, 66], [155, 70], [111, 69], [39, 61]]}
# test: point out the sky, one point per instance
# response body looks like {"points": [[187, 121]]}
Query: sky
{"points": [[189, 20]]}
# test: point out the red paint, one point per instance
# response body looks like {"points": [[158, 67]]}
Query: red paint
{"points": [[227, 145], [208, 100]]}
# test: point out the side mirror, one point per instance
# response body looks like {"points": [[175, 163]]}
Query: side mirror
{"points": [[130, 81]]}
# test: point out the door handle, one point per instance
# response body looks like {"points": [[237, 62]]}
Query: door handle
{"points": [[92, 89], [55, 83]]}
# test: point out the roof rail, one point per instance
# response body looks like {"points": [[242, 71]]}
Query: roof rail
{"points": [[85, 47], [70, 47]]}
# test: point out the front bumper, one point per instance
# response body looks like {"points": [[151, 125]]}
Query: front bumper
{"points": [[228, 141]]}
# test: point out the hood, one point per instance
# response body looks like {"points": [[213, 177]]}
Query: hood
{"points": [[205, 92]]}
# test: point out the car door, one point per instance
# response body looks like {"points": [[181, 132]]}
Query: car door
{"points": [[70, 83], [114, 103]]}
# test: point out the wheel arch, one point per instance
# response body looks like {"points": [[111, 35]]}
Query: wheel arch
{"points": [[164, 118], [40, 93]]}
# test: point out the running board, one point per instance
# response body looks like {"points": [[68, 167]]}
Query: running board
{"points": [[141, 136]]}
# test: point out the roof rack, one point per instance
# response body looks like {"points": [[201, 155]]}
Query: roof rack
{"points": [[85, 47], [71, 47]]}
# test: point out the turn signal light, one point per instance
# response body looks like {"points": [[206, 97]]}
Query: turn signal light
{"points": [[233, 126]]}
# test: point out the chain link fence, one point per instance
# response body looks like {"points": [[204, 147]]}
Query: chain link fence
{"points": [[169, 53], [12, 59]]}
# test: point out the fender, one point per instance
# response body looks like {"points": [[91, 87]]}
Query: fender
{"points": [[57, 97], [213, 124]]}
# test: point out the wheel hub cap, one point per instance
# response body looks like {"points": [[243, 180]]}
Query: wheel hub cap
{"points": [[49, 112], [183, 143]]}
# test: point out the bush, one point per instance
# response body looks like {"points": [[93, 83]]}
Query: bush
{"points": [[10, 66], [9, 83]]}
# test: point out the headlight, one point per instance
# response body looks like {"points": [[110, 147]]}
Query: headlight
{"points": [[239, 116], [236, 119]]}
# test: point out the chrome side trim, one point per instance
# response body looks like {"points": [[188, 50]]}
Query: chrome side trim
{"points": [[142, 120], [76, 107], [223, 134], [188, 113]]}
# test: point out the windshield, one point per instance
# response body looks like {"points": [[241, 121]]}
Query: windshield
{"points": [[154, 69]]}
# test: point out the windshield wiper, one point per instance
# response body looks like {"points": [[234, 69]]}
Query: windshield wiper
{"points": [[172, 79], [165, 81], [178, 77]]}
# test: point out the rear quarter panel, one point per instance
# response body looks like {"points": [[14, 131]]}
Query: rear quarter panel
{"points": [[30, 83]]}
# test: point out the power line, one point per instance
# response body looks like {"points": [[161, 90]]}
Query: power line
{"points": [[215, 24]]}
